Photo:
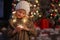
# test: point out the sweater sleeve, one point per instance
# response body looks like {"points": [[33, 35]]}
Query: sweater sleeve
{"points": [[32, 29], [11, 28]]}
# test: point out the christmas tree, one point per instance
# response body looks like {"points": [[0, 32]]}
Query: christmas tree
{"points": [[39, 7]]}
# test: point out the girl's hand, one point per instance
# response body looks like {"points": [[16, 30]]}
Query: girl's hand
{"points": [[18, 29], [25, 28]]}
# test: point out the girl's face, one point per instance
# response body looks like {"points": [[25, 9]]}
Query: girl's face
{"points": [[20, 13]]}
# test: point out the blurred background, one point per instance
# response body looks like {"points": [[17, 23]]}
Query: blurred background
{"points": [[1, 8], [48, 28]]}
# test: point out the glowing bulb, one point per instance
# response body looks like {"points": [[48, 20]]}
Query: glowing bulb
{"points": [[12, 16], [56, 10], [36, 1], [31, 13], [14, 20], [18, 0], [13, 12], [34, 5], [34, 13], [40, 15], [51, 14], [37, 11], [24, 20], [14, 4], [59, 4]]}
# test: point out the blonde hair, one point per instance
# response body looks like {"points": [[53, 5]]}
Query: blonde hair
{"points": [[14, 15]]}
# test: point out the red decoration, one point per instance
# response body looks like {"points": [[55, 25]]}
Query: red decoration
{"points": [[44, 23]]}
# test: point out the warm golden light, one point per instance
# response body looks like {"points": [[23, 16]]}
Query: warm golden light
{"points": [[14, 20], [36, 1], [13, 12], [51, 14], [12, 16], [34, 5], [59, 4], [31, 13], [56, 10], [24, 20], [34, 13], [40, 15], [37, 11]]}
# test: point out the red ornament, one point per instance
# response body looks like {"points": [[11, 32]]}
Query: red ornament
{"points": [[44, 23]]}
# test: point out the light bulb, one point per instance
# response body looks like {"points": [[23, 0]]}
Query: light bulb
{"points": [[51, 14], [40, 15], [36, 1], [37, 11], [34, 5], [59, 4], [24, 20], [31, 13], [14, 20], [34, 13], [56, 10], [13, 12]]}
